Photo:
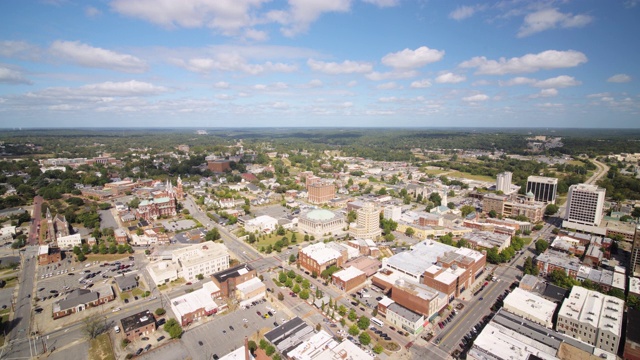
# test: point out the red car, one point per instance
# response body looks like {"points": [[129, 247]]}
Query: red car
{"points": [[486, 283], [189, 283]]}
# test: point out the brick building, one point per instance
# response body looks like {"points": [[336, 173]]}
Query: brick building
{"points": [[219, 166], [348, 279], [318, 257], [80, 299], [551, 260], [138, 325], [196, 304], [632, 341], [321, 192], [227, 280], [416, 297]]}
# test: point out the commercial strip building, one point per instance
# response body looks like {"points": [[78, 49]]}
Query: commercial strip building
{"points": [[348, 279], [138, 325], [505, 206], [487, 240], [69, 241], [406, 319], [509, 336], [196, 304], [205, 258], [530, 306], [592, 317], [264, 223], [414, 296], [80, 299], [552, 259], [227, 280], [321, 222]]}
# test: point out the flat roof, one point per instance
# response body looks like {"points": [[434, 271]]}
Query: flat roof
{"points": [[348, 273], [222, 276], [537, 308], [346, 350], [424, 254], [137, 321], [405, 313], [634, 285], [321, 252], [198, 299]]}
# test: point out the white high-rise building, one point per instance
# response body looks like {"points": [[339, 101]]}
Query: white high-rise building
{"points": [[367, 223], [585, 204], [503, 182], [392, 212], [543, 188]]}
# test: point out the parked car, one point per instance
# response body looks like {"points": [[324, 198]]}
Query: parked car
{"points": [[160, 338]]}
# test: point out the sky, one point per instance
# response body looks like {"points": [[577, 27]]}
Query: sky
{"points": [[319, 63]]}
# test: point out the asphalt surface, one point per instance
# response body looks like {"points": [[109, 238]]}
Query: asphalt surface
{"points": [[36, 217]]}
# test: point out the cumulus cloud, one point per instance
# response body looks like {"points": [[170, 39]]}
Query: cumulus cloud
{"points": [[546, 19], [378, 76], [18, 49], [315, 83], [101, 91], [419, 84], [233, 62], [520, 80], [94, 57], [464, 12], [545, 93], [410, 59], [387, 86], [561, 81], [302, 13], [14, 77], [383, 3], [450, 78], [221, 85], [476, 98], [546, 60], [227, 16], [256, 35], [345, 67], [619, 78]]}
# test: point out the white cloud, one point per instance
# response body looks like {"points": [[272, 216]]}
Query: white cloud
{"points": [[10, 76], [233, 62], [352, 83], [450, 78], [18, 49], [550, 19], [223, 96], [280, 105], [304, 12], [378, 76], [546, 60], [545, 93], [387, 86], [550, 105], [62, 107], [597, 95], [256, 35], [463, 12], [346, 104], [227, 16], [91, 11], [419, 84], [221, 85], [561, 81], [410, 59], [388, 99], [94, 57], [481, 83], [520, 80], [315, 83], [476, 98], [345, 67], [126, 88], [383, 3], [619, 78]]}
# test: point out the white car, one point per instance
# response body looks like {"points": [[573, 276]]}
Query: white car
{"points": [[116, 309]]}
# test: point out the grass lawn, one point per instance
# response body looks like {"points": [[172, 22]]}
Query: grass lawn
{"points": [[470, 176], [273, 237], [107, 257], [177, 282], [100, 348], [527, 240], [434, 172], [11, 281], [4, 316], [575, 163]]}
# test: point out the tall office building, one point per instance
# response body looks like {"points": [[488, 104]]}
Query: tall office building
{"points": [[503, 182], [367, 223], [635, 253], [543, 188], [585, 204]]}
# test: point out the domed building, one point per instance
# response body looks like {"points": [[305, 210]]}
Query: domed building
{"points": [[320, 222]]}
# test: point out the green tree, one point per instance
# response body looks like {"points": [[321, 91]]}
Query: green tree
{"points": [[299, 278], [493, 214], [493, 256], [252, 346], [282, 277], [378, 349], [529, 267], [541, 246], [342, 310], [435, 198], [633, 301], [81, 257], [306, 284], [291, 274], [364, 338], [280, 296], [353, 330], [363, 322], [270, 350], [352, 315], [551, 209], [160, 311], [213, 235], [296, 288], [409, 232], [616, 293], [351, 216], [173, 328], [466, 210], [304, 294]]}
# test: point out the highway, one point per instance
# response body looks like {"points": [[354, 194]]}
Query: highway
{"points": [[603, 169]]}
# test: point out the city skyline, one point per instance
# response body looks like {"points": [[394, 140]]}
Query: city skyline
{"points": [[334, 63]]}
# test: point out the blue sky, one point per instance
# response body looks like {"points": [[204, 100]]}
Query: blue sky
{"points": [[378, 63]]}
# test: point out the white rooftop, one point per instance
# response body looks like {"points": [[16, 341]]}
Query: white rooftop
{"points": [[385, 301], [423, 255], [250, 285], [313, 346], [536, 307], [346, 350], [348, 273], [198, 299], [321, 253], [503, 343], [634, 285]]}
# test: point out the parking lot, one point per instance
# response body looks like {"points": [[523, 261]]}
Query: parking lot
{"points": [[217, 336]]}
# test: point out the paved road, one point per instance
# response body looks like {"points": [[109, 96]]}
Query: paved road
{"points": [[37, 216], [602, 170]]}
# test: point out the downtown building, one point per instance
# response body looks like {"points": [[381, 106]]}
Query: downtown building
{"points": [[544, 188], [585, 206], [367, 224], [321, 192]]}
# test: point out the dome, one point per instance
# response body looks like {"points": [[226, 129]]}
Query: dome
{"points": [[320, 215], [530, 194]]}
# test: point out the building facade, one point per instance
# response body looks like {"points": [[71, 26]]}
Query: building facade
{"points": [[367, 222], [205, 258], [503, 182], [585, 204], [544, 188], [138, 325], [321, 222], [321, 192], [228, 280], [318, 257], [348, 279]]}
